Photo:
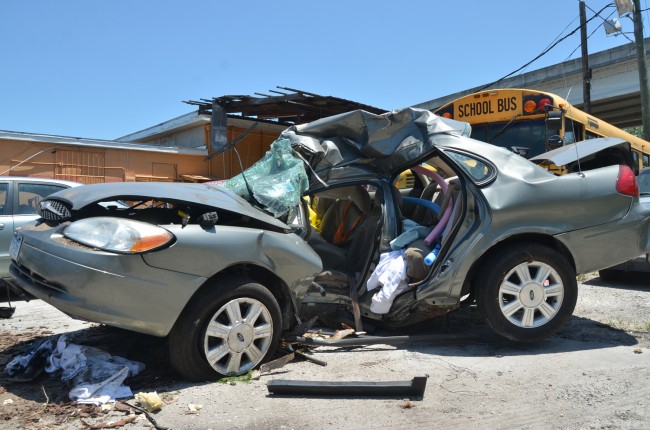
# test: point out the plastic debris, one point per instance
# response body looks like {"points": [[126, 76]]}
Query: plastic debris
{"points": [[97, 376], [8, 402], [28, 366], [150, 402], [193, 407]]}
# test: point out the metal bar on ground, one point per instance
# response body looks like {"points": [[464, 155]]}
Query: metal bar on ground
{"points": [[414, 387], [378, 340]]}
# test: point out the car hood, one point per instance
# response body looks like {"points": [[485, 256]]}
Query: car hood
{"points": [[570, 153], [359, 143], [202, 194]]}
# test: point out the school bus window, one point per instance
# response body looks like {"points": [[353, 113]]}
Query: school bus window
{"points": [[646, 160], [635, 158], [529, 134], [590, 135], [571, 130]]}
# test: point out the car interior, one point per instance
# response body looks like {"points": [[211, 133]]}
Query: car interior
{"points": [[346, 225]]}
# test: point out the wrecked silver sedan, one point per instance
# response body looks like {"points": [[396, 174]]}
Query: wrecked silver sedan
{"points": [[224, 270]]}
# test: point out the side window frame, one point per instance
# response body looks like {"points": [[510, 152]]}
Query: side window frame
{"points": [[5, 203], [29, 194], [457, 157]]}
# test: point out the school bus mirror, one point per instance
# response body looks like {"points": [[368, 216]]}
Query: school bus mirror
{"points": [[554, 120], [554, 142]]}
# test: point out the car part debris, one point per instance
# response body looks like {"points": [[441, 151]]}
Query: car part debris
{"points": [[304, 327], [340, 334], [310, 358], [414, 387], [276, 364], [147, 415], [379, 340]]}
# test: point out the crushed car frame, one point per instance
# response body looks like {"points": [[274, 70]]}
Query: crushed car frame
{"points": [[223, 278]]}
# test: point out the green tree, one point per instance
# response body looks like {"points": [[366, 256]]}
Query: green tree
{"points": [[637, 131]]}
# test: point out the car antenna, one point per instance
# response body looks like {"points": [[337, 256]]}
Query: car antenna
{"points": [[575, 143], [218, 120]]}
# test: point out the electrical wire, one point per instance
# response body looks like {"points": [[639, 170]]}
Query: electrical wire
{"points": [[544, 52], [29, 158], [553, 41], [605, 20]]}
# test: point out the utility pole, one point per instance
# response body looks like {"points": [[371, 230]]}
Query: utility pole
{"points": [[586, 71], [643, 69]]}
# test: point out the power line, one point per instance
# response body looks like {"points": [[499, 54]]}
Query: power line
{"points": [[544, 52], [605, 20]]}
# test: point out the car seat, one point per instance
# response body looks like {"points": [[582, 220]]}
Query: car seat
{"points": [[416, 269], [344, 217], [345, 214]]}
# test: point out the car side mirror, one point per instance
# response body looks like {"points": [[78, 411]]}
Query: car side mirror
{"points": [[298, 220], [554, 120], [521, 150], [554, 142]]}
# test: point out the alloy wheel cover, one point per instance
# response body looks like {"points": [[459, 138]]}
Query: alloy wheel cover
{"points": [[238, 336], [531, 294]]}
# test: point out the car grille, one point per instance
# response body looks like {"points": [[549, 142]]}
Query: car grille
{"points": [[22, 275], [53, 210]]}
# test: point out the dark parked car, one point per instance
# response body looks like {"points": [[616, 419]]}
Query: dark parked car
{"points": [[223, 278], [19, 198]]}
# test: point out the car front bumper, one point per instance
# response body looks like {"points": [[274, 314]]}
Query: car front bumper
{"points": [[114, 289]]}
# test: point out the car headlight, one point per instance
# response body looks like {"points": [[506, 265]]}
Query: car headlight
{"points": [[118, 234]]}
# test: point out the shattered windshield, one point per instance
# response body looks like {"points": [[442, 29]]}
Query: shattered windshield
{"points": [[276, 182]]}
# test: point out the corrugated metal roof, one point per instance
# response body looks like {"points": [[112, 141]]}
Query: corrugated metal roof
{"points": [[96, 143], [287, 108]]}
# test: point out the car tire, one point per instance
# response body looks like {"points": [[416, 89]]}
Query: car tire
{"points": [[529, 292], [226, 330]]}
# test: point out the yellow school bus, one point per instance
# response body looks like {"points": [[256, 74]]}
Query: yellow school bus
{"points": [[532, 122]]}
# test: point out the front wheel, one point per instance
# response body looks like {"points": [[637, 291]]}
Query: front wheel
{"points": [[529, 293], [226, 330]]}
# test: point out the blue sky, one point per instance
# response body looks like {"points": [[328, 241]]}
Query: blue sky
{"points": [[104, 69]]}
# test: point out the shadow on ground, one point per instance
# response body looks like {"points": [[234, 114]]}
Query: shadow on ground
{"points": [[633, 281], [578, 334], [464, 333]]}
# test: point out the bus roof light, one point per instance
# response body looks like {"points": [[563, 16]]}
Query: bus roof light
{"points": [[543, 103], [530, 106]]}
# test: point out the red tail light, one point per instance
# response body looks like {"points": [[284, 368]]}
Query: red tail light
{"points": [[543, 103], [626, 181]]}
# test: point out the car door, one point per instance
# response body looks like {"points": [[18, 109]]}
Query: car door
{"points": [[6, 226], [24, 203]]}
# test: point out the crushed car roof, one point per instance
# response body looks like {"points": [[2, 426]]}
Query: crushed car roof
{"points": [[358, 142]]}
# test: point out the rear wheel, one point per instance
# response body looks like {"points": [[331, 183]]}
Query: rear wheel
{"points": [[529, 293], [226, 330]]}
